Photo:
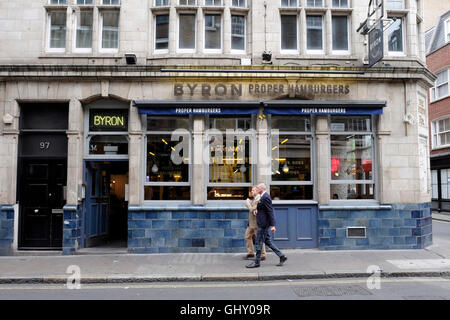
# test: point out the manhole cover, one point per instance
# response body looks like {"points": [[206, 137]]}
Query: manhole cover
{"points": [[319, 291]]}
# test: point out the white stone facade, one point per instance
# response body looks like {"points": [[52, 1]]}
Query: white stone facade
{"points": [[28, 73]]}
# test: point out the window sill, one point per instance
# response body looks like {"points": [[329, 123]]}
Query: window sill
{"points": [[354, 205], [442, 98], [160, 9], [309, 10], [185, 206], [440, 147], [239, 10], [61, 55], [109, 7]]}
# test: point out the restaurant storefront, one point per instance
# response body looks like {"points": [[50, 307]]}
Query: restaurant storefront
{"points": [[165, 166]]}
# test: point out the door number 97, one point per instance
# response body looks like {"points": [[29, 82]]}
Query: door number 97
{"points": [[44, 145]]}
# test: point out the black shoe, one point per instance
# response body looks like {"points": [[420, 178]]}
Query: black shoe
{"points": [[253, 265], [282, 261]]}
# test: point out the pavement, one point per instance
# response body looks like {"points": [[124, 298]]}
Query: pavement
{"points": [[433, 261]]}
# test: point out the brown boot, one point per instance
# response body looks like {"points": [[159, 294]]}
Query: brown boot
{"points": [[249, 256]]}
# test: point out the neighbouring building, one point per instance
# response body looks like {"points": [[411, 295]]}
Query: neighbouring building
{"points": [[146, 122], [438, 61]]}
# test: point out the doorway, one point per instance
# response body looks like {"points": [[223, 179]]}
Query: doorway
{"points": [[106, 204]]}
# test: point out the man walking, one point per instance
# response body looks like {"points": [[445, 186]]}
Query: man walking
{"points": [[266, 221], [252, 228]]}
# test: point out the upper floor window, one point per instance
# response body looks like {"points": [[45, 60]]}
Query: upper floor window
{"points": [[110, 30], [83, 38], [162, 32], [213, 2], [213, 31], [395, 36], [58, 1], [238, 3], [57, 31], [111, 2], [288, 3], [447, 30], [187, 2], [238, 32], [84, 2], [314, 3], [340, 3], [159, 3], [441, 86], [186, 32], [340, 33], [394, 4], [314, 33], [440, 130], [289, 32]]}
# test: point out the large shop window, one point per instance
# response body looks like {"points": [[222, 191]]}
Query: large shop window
{"points": [[352, 158], [445, 184], [167, 174], [291, 158], [108, 133], [230, 141]]}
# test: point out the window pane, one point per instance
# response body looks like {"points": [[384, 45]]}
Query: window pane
{"points": [[84, 29], [340, 3], [292, 123], [314, 3], [395, 36], [442, 91], [291, 158], [442, 77], [167, 123], [213, 31], [110, 32], [167, 193], [230, 164], [229, 193], [238, 32], [340, 33], [213, 2], [291, 192], [288, 3], [314, 32], [351, 157], [394, 4], [57, 29], [84, 1], [162, 32], [352, 191], [289, 32], [238, 3], [187, 31], [108, 145], [187, 2], [161, 3], [224, 123], [353, 124], [161, 162]]}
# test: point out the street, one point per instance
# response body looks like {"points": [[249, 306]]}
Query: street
{"points": [[342, 289]]}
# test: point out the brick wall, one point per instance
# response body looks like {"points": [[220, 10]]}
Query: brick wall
{"points": [[186, 231], [402, 227]]}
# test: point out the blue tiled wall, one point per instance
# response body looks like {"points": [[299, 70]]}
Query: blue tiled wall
{"points": [[402, 227], [6, 230], [71, 229], [193, 230]]}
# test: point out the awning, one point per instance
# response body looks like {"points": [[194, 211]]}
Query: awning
{"points": [[308, 107], [210, 107]]}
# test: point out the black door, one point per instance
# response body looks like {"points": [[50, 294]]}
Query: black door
{"points": [[42, 199]]}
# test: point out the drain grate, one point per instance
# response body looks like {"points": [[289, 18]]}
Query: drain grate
{"points": [[336, 291]]}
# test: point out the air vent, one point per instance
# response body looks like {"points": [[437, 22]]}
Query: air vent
{"points": [[356, 232]]}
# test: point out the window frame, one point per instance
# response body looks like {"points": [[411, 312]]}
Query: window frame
{"points": [[166, 184], [312, 135], [84, 3], [110, 3], [435, 133], [313, 51], [213, 5], [290, 5], [374, 181], [48, 49], [239, 4], [349, 42], [388, 8], [447, 30], [205, 50], [187, 3], [239, 51], [434, 89], [315, 6], [59, 3], [161, 5], [290, 51], [397, 53], [159, 51], [75, 28], [252, 155], [100, 42], [340, 5], [184, 50]]}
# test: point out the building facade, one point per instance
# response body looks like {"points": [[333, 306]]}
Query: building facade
{"points": [[438, 61], [147, 122]]}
